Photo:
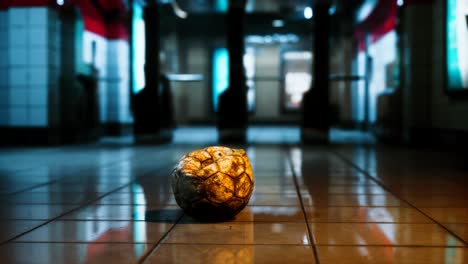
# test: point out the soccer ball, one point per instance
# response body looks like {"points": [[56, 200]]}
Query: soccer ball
{"points": [[214, 183]]}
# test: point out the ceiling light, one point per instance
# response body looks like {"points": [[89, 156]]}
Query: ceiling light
{"points": [[278, 23], [308, 12]]}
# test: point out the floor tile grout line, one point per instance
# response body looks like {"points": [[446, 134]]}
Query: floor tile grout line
{"points": [[391, 245], [309, 229], [80, 242], [56, 218], [238, 222], [59, 179], [320, 244], [350, 163], [150, 251], [241, 244], [265, 205], [76, 209]]}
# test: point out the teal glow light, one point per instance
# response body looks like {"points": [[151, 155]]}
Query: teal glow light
{"points": [[221, 5], [138, 36], [453, 68], [139, 231], [220, 74]]}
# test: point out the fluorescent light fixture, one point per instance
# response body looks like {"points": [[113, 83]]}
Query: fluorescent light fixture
{"points": [[366, 9], [308, 12], [178, 11], [332, 10], [270, 39], [278, 23], [185, 77], [298, 55]]}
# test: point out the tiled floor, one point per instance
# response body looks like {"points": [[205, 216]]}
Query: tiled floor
{"points": [[113, 204]]}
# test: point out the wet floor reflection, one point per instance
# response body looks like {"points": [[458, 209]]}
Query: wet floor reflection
{"points": [[114, 205]]}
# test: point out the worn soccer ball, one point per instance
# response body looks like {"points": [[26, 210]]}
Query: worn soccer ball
{"points": [[214, 183]]}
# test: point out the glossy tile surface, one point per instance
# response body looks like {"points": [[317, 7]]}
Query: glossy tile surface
{"points": [[239, 233], [72, 253], [232, 254], [366, 215], [333, 204], [388, 255], [383, 234], [98, 232]]}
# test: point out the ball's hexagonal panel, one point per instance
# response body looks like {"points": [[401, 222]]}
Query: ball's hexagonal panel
{"points": [[243, 186], [200, 155], [219, 188], [231, 165], [208, 171], [213, 183]]}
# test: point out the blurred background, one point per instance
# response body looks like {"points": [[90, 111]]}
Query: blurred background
{"points": [[353, 71]]}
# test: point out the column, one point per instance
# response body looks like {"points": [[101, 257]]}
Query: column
{"points": [[316, 113], [232, 109], [417, 67], [147, 112]]}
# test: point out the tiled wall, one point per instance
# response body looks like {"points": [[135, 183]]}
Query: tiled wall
{"points": [[29, 66], [426, 105], [447, 113], [112, 63], [4, 74]]}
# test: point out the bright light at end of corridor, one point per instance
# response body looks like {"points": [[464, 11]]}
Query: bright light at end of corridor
{"points": [[308, 12], [278, 23], [400, 2], [60, 2]]}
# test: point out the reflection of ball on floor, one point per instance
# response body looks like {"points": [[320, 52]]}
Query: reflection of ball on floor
{"points": [[214, 183]]}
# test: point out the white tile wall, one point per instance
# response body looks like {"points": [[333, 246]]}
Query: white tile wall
{"points": [[103, 99], [3, 56], [101, 54], [113, 72], [38, 116], [24, 56], [18, 77], [38, 36], [18, 36], [112, 116], [38, 56], [19, 97], [4, 116], [38, 77], [4, 77], [18, 56], [17, 17], [4, 37], [4, 98], [30, 81], [38, 97], [38, 16], [19, 116], [3, 19], [118, 52]]}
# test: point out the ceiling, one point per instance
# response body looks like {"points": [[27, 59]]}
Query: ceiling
{"points": [[290, 8]]}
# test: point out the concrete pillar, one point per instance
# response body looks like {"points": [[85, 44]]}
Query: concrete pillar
{"points": [[316, 112], [147, 112], [232, 109], [417, 39]]}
